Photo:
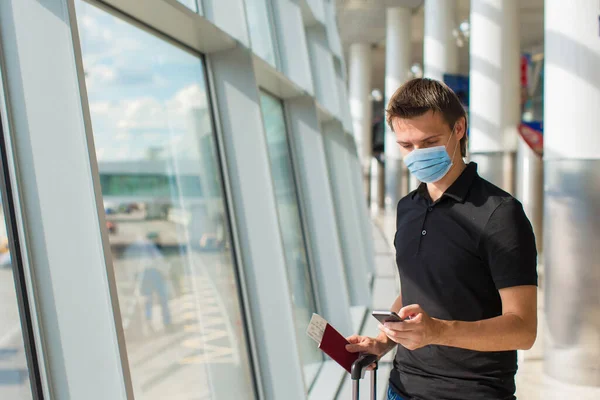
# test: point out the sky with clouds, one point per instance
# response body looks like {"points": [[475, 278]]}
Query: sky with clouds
{"points": [[143, 92]]}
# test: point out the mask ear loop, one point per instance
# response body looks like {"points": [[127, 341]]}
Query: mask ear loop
{"points": [[455, 147]]}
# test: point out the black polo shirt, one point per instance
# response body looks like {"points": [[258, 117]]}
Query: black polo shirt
{"points": [[453, 256]]}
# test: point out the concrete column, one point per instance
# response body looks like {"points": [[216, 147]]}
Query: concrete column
{"points": [[360, 104], [440, 53], [377, 185], [572, 192], [495, 88], [530, 188], [397, 67]]}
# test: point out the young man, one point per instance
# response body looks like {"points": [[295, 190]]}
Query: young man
{"points": [[467, 260]]}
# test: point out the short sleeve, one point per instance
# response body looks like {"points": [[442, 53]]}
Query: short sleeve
{"points": [[508, 246]]}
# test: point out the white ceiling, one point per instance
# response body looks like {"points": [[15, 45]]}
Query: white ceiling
{"points": [[364, 21]]}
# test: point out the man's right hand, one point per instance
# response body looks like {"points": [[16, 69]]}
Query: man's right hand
{"points": [[364, 344]]}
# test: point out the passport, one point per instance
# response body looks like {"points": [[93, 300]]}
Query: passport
{"points": [[331, 342]]}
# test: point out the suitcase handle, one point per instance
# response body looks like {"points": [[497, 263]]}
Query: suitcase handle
{"points": [[363, 361]]}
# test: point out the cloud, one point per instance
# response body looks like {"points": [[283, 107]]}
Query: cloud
{"points": [[192, 96], [122, 137], [100, 108], [102, 75], [143, 113], [125, 129], [99, 75]]}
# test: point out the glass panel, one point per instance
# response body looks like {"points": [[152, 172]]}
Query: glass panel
{"points": [[290, 222], [14, 374], [165, 214], [259, 24]]}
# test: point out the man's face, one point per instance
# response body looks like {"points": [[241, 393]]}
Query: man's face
{"points": [[427, 130]]}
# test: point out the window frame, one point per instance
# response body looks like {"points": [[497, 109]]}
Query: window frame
{"points": [[311, 260], [221, 166]]}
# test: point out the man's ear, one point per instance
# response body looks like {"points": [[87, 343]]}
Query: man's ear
{"points": [[460, 128]]}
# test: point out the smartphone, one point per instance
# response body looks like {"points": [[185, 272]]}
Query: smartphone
{"points": [[386, 316]]}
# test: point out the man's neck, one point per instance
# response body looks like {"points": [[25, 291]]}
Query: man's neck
{"points": [[437, 189]]}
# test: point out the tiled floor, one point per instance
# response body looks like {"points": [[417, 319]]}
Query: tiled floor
{"points": [[532, 384]]}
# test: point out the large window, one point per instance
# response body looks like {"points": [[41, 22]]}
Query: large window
{"points": [[259, 25], [165, 213], [292, 232]]}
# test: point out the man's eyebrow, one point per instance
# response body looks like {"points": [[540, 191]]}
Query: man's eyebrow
{"points": [[434, 136]]}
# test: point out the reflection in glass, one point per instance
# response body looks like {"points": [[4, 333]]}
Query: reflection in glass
{"points": [[291, 230], [165, 214], [14, 375], [259, 25]]}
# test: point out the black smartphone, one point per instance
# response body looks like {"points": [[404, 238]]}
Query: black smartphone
{"points": [[386, 316]]}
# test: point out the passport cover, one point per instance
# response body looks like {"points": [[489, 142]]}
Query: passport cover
{"points": [[334, 345]]}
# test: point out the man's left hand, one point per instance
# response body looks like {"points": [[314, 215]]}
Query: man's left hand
{"points": [[417, 330]]}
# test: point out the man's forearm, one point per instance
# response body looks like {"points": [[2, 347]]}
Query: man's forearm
{"points": [[503, 333]]}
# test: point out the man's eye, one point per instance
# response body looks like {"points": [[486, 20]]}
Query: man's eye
{"points": [[406, 146]]}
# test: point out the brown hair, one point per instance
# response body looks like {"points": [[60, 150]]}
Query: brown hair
{"points": [[418, 96]]}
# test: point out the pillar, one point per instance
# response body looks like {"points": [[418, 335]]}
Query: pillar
{"points": [[397, 67], [360, 104], [530, 188], [377, 186], [572, 192], [495, 89], [440, 53]]}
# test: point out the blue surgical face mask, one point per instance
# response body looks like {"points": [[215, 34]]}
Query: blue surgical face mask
{"points": [[431, 164]]}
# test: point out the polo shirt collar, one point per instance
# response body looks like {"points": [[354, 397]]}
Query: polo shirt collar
{"points": [[459, 189]]}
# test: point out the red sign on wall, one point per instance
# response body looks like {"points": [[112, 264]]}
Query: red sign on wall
{"points": [[533, 135], [524, 71]]}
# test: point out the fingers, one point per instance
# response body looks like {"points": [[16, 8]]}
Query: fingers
{"points": [[354, 339], [355, 348], [398, 336], [415, 320], [397, 326], [410, 311]]}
